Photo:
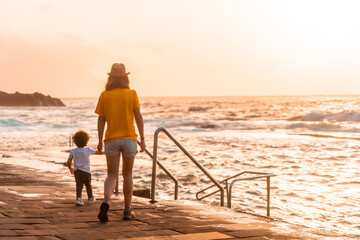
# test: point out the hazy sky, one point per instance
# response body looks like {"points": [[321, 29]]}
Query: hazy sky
{"points": [[181, 47]]}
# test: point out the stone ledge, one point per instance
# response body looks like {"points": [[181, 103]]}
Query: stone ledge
{"points": [[31, 216]]}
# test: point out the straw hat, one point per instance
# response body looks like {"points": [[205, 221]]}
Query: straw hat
{"points": [[118, 70]]}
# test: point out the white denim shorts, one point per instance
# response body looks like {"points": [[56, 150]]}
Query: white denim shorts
{"points": [[127, 147]]}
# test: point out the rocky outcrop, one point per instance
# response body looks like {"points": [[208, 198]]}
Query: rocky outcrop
{"points": [[34, 99]]}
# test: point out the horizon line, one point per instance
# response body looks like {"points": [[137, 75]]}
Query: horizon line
{"points": [[280, 95]]}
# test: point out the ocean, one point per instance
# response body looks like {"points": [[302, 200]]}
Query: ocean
{"points": [[311, 143]]}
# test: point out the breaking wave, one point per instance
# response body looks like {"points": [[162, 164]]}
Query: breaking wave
{"points": [[13, 122], [323, 127], [344, 116], [20, 125], [84, 105]]}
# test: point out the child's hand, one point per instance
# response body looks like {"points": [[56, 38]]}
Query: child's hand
{"points": [[98, 152]]}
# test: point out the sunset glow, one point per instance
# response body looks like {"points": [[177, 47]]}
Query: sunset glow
{"points": [[261, 93], [181, 48]]}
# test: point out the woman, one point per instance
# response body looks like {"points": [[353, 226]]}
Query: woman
{"points": [[117, 106]]}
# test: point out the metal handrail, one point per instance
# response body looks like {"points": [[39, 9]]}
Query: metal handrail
{"points": [[176, 182], [229, 188], [224, 181], [251, 178], [182, 148]]}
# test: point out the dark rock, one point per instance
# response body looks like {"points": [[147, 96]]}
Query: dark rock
{"points": [[196, 109], [141, 192], [35, 99], [208, 126]]}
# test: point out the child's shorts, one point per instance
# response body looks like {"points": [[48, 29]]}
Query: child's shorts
{"points": [[127, 147]]}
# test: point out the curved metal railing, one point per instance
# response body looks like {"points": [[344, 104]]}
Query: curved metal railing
{"points": [[229, 187], [182, 148]]}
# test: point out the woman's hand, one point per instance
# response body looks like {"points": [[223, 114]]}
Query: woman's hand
{"points": [[142, 145], [100, 126], [98, 152], [100, 147]]}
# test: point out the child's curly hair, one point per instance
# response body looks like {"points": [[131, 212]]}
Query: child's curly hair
{"points": [[80, 138]]}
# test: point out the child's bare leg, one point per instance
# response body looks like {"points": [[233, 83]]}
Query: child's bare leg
{"points": [[112, 176]]}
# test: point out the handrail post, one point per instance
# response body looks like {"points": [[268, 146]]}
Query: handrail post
{"points": [[153, 175], [229, 194], [227, 190], [176, 191], [268, 196]]}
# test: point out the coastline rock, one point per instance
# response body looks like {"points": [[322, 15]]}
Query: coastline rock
{"points": [[207, 126], [190, 109], [34, 99]]}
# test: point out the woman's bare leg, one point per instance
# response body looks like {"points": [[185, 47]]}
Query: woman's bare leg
{"points": [[127, 172], [112, 175]]}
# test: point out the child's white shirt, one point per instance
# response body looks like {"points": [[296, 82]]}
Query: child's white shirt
{"points": [[81, 158]]}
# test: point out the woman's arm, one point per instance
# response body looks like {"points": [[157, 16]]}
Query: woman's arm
{"points": [[140, 125], [101, 127]]}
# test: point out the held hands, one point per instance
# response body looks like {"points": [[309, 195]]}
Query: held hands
{"points": [[100, 146]]}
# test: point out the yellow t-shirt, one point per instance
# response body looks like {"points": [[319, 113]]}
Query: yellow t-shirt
{"points": [[117, 106]]}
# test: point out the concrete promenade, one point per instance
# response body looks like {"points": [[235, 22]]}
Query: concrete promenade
{"points": [[34, 206]]}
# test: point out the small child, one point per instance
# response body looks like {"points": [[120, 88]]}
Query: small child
{"points": [[81, 169]]}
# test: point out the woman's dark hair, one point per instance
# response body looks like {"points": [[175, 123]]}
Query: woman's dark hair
{"points": [[117, 82], [81, 138]]}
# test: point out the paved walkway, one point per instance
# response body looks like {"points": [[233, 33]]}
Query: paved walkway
{"points": [[33, 206]]}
